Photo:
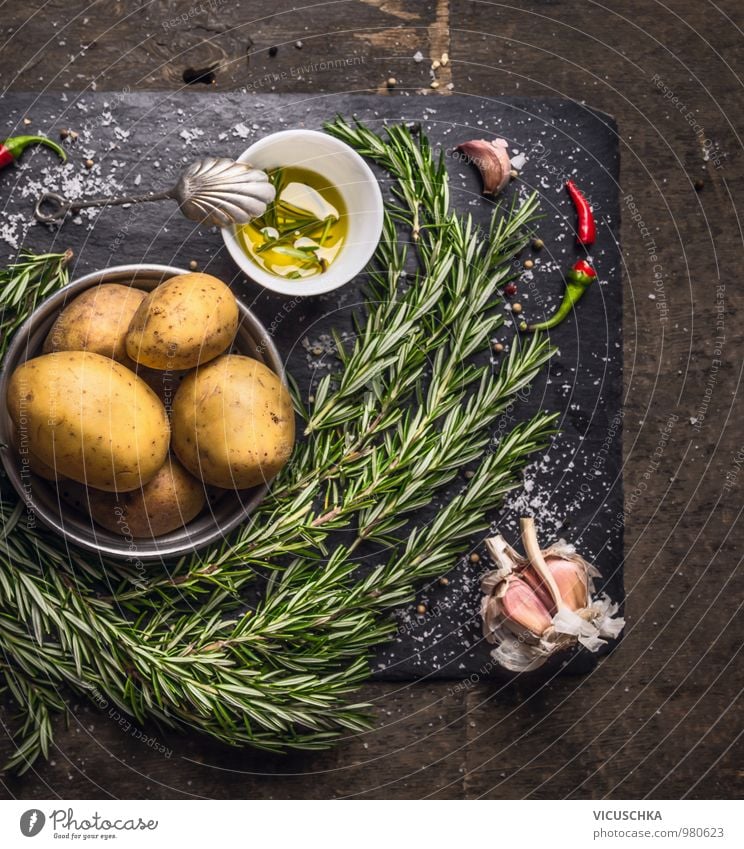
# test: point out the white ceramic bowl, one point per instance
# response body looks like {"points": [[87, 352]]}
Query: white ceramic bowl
{"points": [[351, 175]]}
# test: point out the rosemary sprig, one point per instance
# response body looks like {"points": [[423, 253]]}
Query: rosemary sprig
{"points": [[383, 437], [23, 284]]}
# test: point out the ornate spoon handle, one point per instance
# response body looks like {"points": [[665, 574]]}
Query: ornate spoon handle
{"points": [[53, 207], [212, 190]]}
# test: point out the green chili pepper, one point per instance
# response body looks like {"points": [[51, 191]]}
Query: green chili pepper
{"points": [[578, 280], [12, 148]]}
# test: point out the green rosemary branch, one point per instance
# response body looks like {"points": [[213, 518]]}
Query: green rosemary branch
{"points": [[384, 437], [23, 284]]}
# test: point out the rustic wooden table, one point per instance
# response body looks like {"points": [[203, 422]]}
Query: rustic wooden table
{"points": [[662, 716]]}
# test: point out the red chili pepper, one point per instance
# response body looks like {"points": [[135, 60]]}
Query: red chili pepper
{"points": [[586, 230], [583, 267], [12, 148]]}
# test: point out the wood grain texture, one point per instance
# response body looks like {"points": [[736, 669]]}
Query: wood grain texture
{"points": [[661, 717]]}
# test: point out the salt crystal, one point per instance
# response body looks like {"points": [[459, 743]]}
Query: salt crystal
{"points": [[241, 131]]}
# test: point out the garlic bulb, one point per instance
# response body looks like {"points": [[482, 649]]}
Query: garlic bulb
{"points": [[542, 604], [491, 159]]}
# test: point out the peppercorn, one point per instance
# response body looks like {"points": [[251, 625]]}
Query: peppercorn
{"points": [[193, 265], [498, 347], [538, 244], [469, 474], [699, 185], [392, 82], [523, 325], [273, 50], [510, 289], [517, 308], [89, 163], [421, 609], [475, 558], [528, 263], [444, 582]]}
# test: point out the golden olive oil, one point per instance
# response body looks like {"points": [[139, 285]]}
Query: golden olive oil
{"points": [[302, 231]]}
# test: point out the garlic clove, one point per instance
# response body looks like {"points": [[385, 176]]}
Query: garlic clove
{"points": [[536, 582], [524, 612], [492, 160], [571, 579]]}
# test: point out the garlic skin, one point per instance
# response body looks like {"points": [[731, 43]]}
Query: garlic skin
{"points": [[492, 160], [531, 615]]}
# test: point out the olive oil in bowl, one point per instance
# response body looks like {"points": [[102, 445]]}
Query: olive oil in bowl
{"points": [[303, 229]]}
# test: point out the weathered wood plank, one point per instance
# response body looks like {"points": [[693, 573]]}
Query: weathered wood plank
{"points": [[659, 717]]}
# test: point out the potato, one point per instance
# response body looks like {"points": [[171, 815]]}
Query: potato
{"points": [[90, 418], [233, 423], [28, 460], [40, 468], [169, 501], [184, 322], [97, 321]]}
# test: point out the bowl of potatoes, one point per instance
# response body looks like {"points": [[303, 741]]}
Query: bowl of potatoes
{"points": [[144, 412]]}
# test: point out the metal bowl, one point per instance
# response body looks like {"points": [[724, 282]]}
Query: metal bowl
{"points": [[42, 498]]}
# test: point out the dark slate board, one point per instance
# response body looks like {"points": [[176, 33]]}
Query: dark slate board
{"points": [[574, 489]]}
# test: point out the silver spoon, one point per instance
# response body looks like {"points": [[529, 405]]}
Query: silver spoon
{"points": [[215, 191]]}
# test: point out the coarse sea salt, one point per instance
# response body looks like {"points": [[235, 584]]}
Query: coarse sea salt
{"points": [[67, 180]]}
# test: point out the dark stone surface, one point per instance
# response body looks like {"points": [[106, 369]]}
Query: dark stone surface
{"points": [[575, 489]]}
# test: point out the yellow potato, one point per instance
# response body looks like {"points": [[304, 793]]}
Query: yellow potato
{"points": [[169, 501], [30, 460], [97, 321], [184, 322], [90, 419], [233, 423]]}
